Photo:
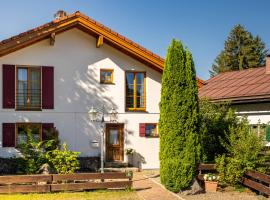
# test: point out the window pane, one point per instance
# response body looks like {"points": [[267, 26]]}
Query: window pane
{"points": [[114, 137], [23, 131], [151, 130], [140, 102], [106, 76], [22, 74], [130, 102], [22, 93], [130, 78], [140, 90], [35, 88], [140, 78], [130, 90]]}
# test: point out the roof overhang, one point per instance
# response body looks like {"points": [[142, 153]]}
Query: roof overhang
{"points": [[90, 26], [244, 99]]}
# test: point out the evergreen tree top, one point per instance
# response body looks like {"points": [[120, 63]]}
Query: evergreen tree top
{"points": [[241, 50]]}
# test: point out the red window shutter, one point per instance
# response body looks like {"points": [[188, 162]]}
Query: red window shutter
{"points": [[46, 127], [8, 131], [47, 87], [142, 129], [8, 86]]}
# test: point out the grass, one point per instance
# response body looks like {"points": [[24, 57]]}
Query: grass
{"points": [[93, 195]]}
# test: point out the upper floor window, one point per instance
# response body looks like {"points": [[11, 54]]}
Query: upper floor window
{"points": [[28, 92], [106, 76], [135, 91]]}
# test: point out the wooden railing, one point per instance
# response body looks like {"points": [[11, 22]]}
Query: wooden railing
{"points": [[252, 179], [69, 182]]}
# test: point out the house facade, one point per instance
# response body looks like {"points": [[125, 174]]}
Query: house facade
{"points": [[53, 75], [248, 92]]}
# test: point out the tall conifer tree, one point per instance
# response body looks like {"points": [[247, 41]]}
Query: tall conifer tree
{"points": [[241, 51], [178, 125]]}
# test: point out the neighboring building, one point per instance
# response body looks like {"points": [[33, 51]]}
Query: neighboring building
{"points": [[54, 74], [248, 91]]}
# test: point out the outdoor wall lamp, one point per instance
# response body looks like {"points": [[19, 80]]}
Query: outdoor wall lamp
{"points": [[93, 115]]}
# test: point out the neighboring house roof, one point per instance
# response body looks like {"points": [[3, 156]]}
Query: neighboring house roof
{"points": [[249, 85], [90, 26]]}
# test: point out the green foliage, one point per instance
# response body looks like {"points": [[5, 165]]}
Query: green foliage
{"points": [[64, 161], [241, 51], [215, 120], [179, 119], [52, 140], [243, 153], [33, 154]]}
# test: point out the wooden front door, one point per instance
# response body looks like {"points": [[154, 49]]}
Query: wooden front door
{"points": [[114, 142]]}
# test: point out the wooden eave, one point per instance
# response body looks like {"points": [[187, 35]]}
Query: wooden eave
{"points": [[90, 26]]}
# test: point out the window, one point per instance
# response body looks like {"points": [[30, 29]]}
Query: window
{"points": [[135, 91], [23, 128], [261, 130], [151, 130], [28, 95], [106, 76]]}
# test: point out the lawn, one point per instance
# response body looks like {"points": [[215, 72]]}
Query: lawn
{"points": [[93, 195]]}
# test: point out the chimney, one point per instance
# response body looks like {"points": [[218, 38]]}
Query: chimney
{"points": [[60, 14], [267, 64]]}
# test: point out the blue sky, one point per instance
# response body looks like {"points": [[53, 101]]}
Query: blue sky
{"points": [[201, 25]]}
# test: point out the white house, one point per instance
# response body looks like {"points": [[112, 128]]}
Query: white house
{"points": [[248, 91], [52, 76]]}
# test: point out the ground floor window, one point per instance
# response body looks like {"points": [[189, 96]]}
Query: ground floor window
{"points": [[24, 129], [261, 130], [151, 130]]}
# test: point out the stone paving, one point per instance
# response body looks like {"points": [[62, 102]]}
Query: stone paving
{"points": [[147, 189]]}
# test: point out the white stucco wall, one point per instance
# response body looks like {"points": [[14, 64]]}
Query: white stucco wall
{"points": [[76, 62]]}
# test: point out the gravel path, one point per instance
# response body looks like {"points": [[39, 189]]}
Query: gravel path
{"points": [[223, 196], [226, 195]]}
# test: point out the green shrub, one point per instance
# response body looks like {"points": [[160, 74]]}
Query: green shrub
{"points": [[179, 119], [215, 120], [63, 160], [244, 152], [32, 154]]}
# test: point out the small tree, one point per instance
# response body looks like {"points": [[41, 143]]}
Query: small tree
{"points": [[244, 152], [178, 125], [215, 121]]}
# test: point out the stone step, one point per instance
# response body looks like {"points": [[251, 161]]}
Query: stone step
{"points": [[121, 169], [116, 164]]}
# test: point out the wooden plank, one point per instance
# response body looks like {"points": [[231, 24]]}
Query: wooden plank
{"points": [[257, 186], [99, 41], [24, 189], [259, 176], [89, 176], [206, 167], [25, 179], [52, 39], [90, 185]]}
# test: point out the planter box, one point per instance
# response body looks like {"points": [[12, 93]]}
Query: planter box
{"points": [[210, 186]]}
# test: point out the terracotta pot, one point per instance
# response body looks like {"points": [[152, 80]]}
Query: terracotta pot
{"points": [[210, 186]]}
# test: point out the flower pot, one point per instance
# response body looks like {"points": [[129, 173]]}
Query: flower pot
{"points": [[210, 186]]}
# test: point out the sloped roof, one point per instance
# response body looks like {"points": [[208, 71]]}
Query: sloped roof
{"points": [[88, 25], [238, 86]]}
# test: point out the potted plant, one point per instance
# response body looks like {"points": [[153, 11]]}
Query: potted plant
{"points": [[129, 153], [210, 182]]}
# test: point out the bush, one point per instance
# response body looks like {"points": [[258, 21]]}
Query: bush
{"points": [[63, 161], [179, 119], [32, 154], [215, 120], [244, 152]]}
